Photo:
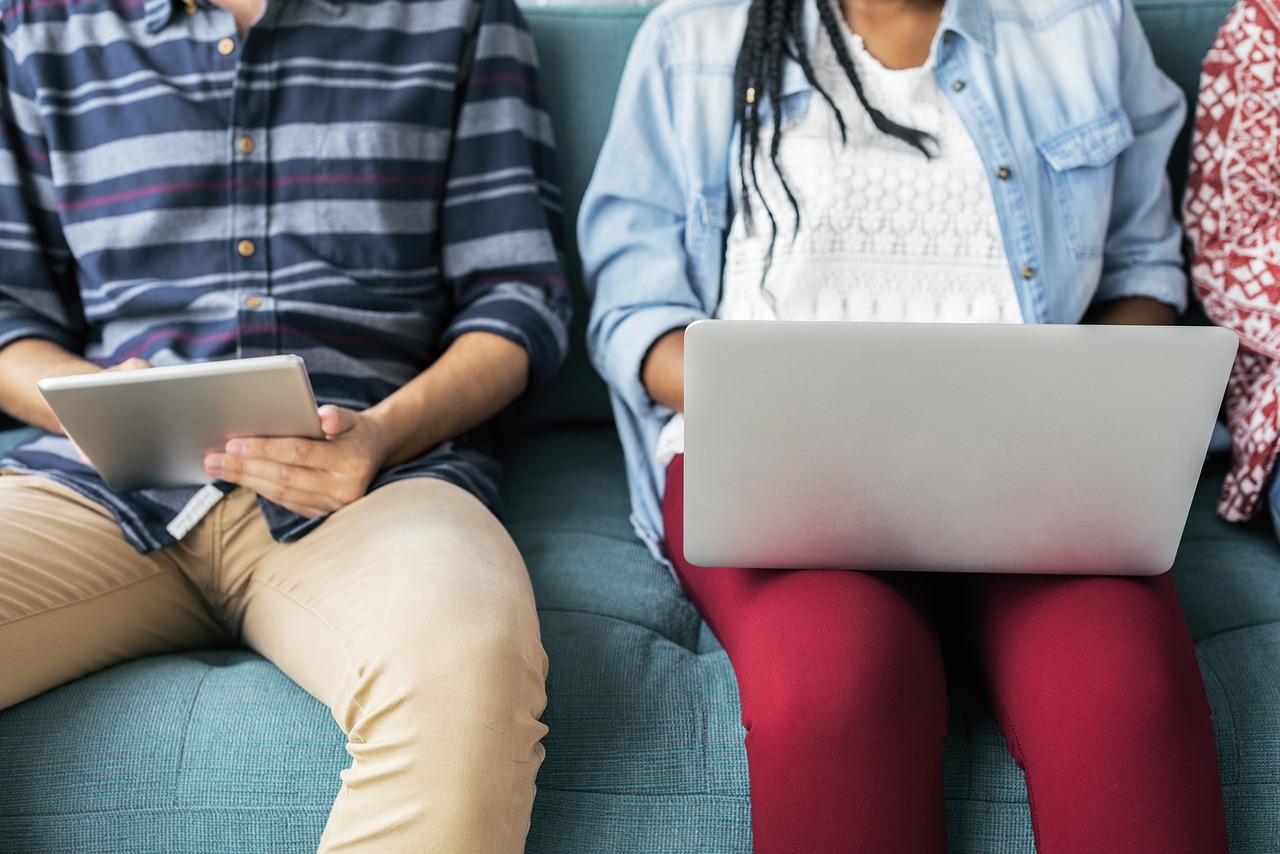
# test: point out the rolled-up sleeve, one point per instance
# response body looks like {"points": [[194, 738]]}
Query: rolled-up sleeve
{"points": [[1142, 256], [37, 294], [632, 227], [501, 223]]}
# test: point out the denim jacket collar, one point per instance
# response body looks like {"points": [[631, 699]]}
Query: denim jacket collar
{"points": [[972, 20], [793, 79]]}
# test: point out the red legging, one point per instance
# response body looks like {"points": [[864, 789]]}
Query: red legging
{"points": [[1094, 681]]}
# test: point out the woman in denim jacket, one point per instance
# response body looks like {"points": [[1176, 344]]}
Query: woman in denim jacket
{"points": [[982, 160]]}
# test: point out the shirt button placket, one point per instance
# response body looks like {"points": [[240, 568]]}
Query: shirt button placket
{"points": [[251, 197]]}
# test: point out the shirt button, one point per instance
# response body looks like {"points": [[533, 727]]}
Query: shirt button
{"points": [[245, 144], [246, 248], [1028, 272], [253, 302], [958, 85], [226, 46], [1004, 173]]}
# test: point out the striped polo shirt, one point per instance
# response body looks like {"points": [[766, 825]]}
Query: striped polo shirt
{"points": [[357, 182]]}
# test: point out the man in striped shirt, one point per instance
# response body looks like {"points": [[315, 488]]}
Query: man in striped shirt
{"points": [[368, 184]]}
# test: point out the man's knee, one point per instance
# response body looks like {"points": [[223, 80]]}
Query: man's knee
{"points": [[480, 647]]}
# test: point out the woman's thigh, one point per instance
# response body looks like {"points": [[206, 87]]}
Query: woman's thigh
{"points": [[1095, 682], [843, 698]]}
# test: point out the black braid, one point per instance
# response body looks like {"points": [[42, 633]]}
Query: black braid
{"points": [[911, 136], [746, 77], [801, 58], [774, 33]]}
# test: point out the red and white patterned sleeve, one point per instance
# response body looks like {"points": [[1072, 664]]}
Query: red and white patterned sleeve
{"points": [[1231, 213]]}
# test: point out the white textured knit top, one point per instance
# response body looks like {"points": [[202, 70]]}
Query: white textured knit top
{"points": [[885, 233]]}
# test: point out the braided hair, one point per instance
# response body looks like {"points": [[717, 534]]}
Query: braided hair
{"points": [[774, 34]]}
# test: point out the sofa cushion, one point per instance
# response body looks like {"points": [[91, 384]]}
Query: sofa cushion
{"points": [[217, 751], [211, 751]]}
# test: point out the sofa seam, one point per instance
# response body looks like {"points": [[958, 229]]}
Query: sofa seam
{"points": [[1210, 674], [616, 618], [186, 731], [1224, 632]]}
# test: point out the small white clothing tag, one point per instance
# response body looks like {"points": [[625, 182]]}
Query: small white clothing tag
{"points": [[197, 508]]}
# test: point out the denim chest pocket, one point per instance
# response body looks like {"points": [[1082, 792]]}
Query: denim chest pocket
{"points": [[1080, 162]]}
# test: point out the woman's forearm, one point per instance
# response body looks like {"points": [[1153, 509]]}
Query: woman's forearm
{"points": [[662, 372]]}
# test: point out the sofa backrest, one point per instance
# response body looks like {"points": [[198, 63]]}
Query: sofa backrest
{"points": [[582, 50], [1180, 32]]}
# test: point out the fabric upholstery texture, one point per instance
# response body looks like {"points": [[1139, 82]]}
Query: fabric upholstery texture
{"points": [[216, 751]]}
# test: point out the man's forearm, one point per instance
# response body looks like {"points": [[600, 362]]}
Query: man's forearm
{"points": [[27, 361], [471, 382]]}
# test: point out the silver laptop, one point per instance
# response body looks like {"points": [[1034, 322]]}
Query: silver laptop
{"points": [[152, 427], [946, 447]]}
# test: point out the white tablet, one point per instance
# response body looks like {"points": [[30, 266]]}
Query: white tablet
{"points": [[152, 427]]}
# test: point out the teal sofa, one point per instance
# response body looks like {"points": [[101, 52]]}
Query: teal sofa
{"points": [[216, 751]]}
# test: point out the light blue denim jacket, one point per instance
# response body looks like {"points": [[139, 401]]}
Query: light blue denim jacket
{"points": [[1062, 98]]}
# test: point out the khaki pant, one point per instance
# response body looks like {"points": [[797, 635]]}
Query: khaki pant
{"points": [[409, 614]]}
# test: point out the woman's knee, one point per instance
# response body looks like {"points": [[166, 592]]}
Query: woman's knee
{"points": [[848, 698]]}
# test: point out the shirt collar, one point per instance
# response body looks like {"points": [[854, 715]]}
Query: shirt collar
{"points": [[159, 13]]}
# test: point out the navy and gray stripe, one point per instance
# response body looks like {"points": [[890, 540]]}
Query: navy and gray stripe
{"points": [[396, 190]]}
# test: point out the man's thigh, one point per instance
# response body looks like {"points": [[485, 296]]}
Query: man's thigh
{"points": [[412, 570], [75, 597], [410, 614]]}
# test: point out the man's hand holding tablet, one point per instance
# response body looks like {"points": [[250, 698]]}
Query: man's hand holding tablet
{"points": [[154, 427]]}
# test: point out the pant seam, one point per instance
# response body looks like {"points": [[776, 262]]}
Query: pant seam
{"points": [[336, 635], [87, 600]]}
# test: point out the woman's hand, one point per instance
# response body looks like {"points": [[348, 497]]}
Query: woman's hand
{"points": [[310, 477], [662, 371], [1132, 311]]}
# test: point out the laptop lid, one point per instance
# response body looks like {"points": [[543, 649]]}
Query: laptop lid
{"points": [[946, 447]]}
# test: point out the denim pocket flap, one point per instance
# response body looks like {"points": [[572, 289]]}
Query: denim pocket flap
{"points": [[1093, 143]]}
